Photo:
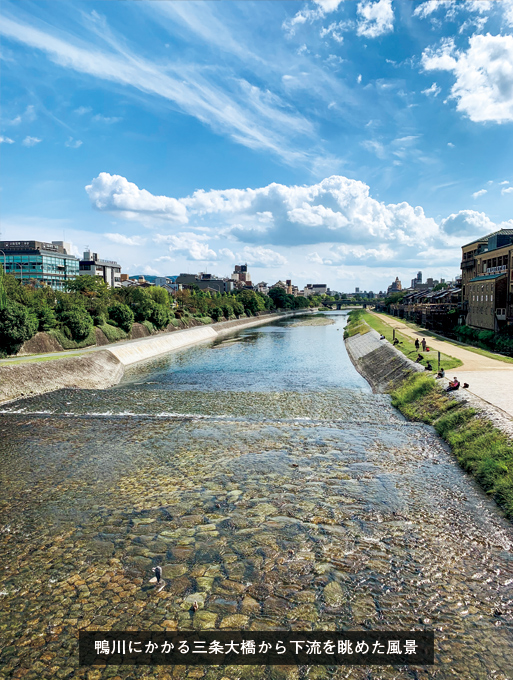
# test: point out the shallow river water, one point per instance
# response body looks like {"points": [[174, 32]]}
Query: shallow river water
{"points": [[277, 492]]}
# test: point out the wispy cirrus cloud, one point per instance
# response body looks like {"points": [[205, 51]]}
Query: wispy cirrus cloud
{"points": [[31, 141], [250, 115]]}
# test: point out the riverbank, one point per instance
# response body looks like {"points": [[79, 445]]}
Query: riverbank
{"points": [[102, 367], [479, 434]]}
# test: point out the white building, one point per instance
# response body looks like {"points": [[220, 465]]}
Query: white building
{"points": [[109, 270]]}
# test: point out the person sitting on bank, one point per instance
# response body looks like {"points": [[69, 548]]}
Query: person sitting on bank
{"points": [[419, 359], [453, 385], [396, 341], [440, 374], [428, 366], [381, 337]]}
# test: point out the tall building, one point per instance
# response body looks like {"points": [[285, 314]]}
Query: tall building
{"points": [[109, 270], [315, 289], [395, 286], [50, 264]]}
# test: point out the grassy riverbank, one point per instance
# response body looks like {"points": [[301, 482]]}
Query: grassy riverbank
{"points": [[480, 448], [361, 322]]}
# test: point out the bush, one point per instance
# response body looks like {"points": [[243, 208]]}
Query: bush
{"points": [[160, 315], [17, 324], [66, 342], [122, 315], [46, 317], [78, 321], [112, 333]]}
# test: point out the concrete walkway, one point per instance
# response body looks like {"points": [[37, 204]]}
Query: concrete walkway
{"points": [[489, 379]]}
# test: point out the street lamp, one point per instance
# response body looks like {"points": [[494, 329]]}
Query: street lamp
{"points": [[21, 270]]}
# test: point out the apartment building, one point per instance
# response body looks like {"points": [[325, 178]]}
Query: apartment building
{"points": [[487, 280]]}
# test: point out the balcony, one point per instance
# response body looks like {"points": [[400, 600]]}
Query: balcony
{"points": [[468, 264]]}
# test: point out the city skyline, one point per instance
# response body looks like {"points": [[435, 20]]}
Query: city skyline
{"points": [[347, 143]]}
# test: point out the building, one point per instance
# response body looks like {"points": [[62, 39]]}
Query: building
{"points": [[108, 270], [395, 286], [262, 287], [207, 282], [315, 289], [487, 280], [50, 264]]}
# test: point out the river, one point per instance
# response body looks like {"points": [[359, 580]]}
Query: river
{"points": [[276, 490]]}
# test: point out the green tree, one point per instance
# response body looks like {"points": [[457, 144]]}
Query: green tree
{"points": [[78, 321], [158, 295], [87, 285], [46, 317], [252, 302], [122, 315], [160, 315], [17, 324]]}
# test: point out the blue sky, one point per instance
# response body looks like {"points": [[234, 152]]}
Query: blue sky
{"points": [[336, 141]]}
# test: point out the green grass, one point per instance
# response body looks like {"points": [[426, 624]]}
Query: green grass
{"points": [[406, 345], [149, 326], [456, 343], [28, 360], [481, 449], [66, 343], [355, 325]]}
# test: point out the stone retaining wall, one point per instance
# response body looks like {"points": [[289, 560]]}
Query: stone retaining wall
{"points": [[383, 366]]}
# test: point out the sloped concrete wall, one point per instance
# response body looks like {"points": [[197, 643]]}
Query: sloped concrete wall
{"points": [[383, 366], [95, 370]]}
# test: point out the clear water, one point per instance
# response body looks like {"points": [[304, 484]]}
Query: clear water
{"points": [[275, 489]]}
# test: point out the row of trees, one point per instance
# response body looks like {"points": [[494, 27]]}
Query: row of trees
{"points": [[70, 316]]}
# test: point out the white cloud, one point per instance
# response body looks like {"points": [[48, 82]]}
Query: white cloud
{"points": [[106, 119], [151, 271], [226, 252], [126, 240], [467, 223], [328, 5], [505, 182], [82, 110], [434, 90], [114, 193], [6, 140], [31, 141], [479, 193], [374, 147], [262, 257], [484, 75], [26, 117], [451, 7], [450, 144], [375, 18], [188, 244], [509, 190], [255, 118], [73, 143]]}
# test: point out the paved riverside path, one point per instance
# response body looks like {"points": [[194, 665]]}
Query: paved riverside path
{"points": [[489, 379]]}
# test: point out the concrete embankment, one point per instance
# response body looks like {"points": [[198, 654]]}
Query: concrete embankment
{"points": [[379, 362], [102, 368]]}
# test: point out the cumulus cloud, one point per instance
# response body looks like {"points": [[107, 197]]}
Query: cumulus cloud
{"points": [[481, 192], [484, 75], [226, 252], [262, 257], [505, 191], [6, 140], [375, 18], [467, 223], [451, 7], [192, 246], [26, 117], [31, 141], [114, 193], [126, 240]]}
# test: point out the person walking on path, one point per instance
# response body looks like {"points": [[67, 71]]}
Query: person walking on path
{"points": [[417, 344], [423, 343]]}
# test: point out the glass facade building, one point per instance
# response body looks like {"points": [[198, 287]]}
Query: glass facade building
{"points": [[46, 263]]}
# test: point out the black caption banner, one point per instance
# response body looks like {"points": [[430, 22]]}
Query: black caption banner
{"points": [[248, 648]]}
